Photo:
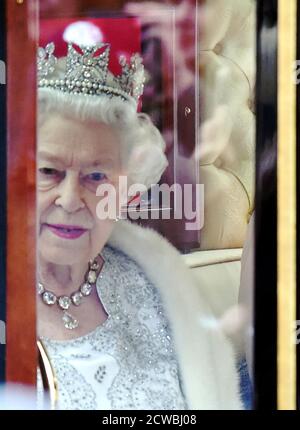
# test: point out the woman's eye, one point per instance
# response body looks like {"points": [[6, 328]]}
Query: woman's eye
{"points": [[48, 171], [49, 175], [96, 176]]}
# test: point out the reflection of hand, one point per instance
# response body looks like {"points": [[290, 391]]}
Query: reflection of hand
{"points": [[159, 17], [234, 320], [214, 135]]}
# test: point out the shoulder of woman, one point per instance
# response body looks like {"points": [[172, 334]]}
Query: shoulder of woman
{"points": [[144, 243], [163, 265]]}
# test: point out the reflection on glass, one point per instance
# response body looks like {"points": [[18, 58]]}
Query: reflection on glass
{"points": [[125, 322]]}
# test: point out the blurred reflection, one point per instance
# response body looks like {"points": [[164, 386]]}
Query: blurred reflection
{"points": [[215, 43], [68, 7], [83, 33]]}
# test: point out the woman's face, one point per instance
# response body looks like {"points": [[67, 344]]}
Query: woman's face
{"points": [[73, 159]]}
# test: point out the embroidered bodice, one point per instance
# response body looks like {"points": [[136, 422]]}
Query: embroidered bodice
{"points": [[129, 361]]}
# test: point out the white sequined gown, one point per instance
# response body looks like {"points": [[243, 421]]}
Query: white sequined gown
{"points": [[128, 362]]}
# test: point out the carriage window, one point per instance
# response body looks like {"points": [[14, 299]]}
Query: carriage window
{"points": [[144, 175]]}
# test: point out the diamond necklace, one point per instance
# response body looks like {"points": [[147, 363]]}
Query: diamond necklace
{"points": [[64, 302]]}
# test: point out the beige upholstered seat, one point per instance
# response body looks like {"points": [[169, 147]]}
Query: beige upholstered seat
{"points": [[227, 133], [227, 148]]}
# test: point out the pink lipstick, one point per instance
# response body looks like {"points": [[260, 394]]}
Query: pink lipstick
{"points": [[66, 231]]}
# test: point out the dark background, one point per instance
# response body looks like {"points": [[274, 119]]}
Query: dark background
{"points": [[265, 343]]}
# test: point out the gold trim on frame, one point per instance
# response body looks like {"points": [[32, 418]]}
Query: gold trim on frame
{"points": [[48, 377], [286, 228]]}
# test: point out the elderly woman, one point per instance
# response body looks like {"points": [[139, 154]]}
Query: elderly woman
{"points": [[122, 318]]}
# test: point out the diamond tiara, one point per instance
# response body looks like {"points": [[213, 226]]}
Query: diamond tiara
{"points": [[88, 74]]}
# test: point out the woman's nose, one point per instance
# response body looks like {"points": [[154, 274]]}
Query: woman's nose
{"points": [[69, 195]]}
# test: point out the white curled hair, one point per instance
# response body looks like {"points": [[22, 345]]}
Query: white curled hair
{"points": [[142, 145]]}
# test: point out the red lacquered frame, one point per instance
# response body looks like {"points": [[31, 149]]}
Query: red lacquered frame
{"points": [[21, 356]]}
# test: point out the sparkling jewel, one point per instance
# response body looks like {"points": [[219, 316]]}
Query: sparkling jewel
{"points": [[76, 298], [94, 266], [69, 321], [64, 302], [86, 289], [41, 288], [49, 298], [92, 277], [89, 69]]}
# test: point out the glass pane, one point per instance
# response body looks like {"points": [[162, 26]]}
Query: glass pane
{"points": [[126, 147]]}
